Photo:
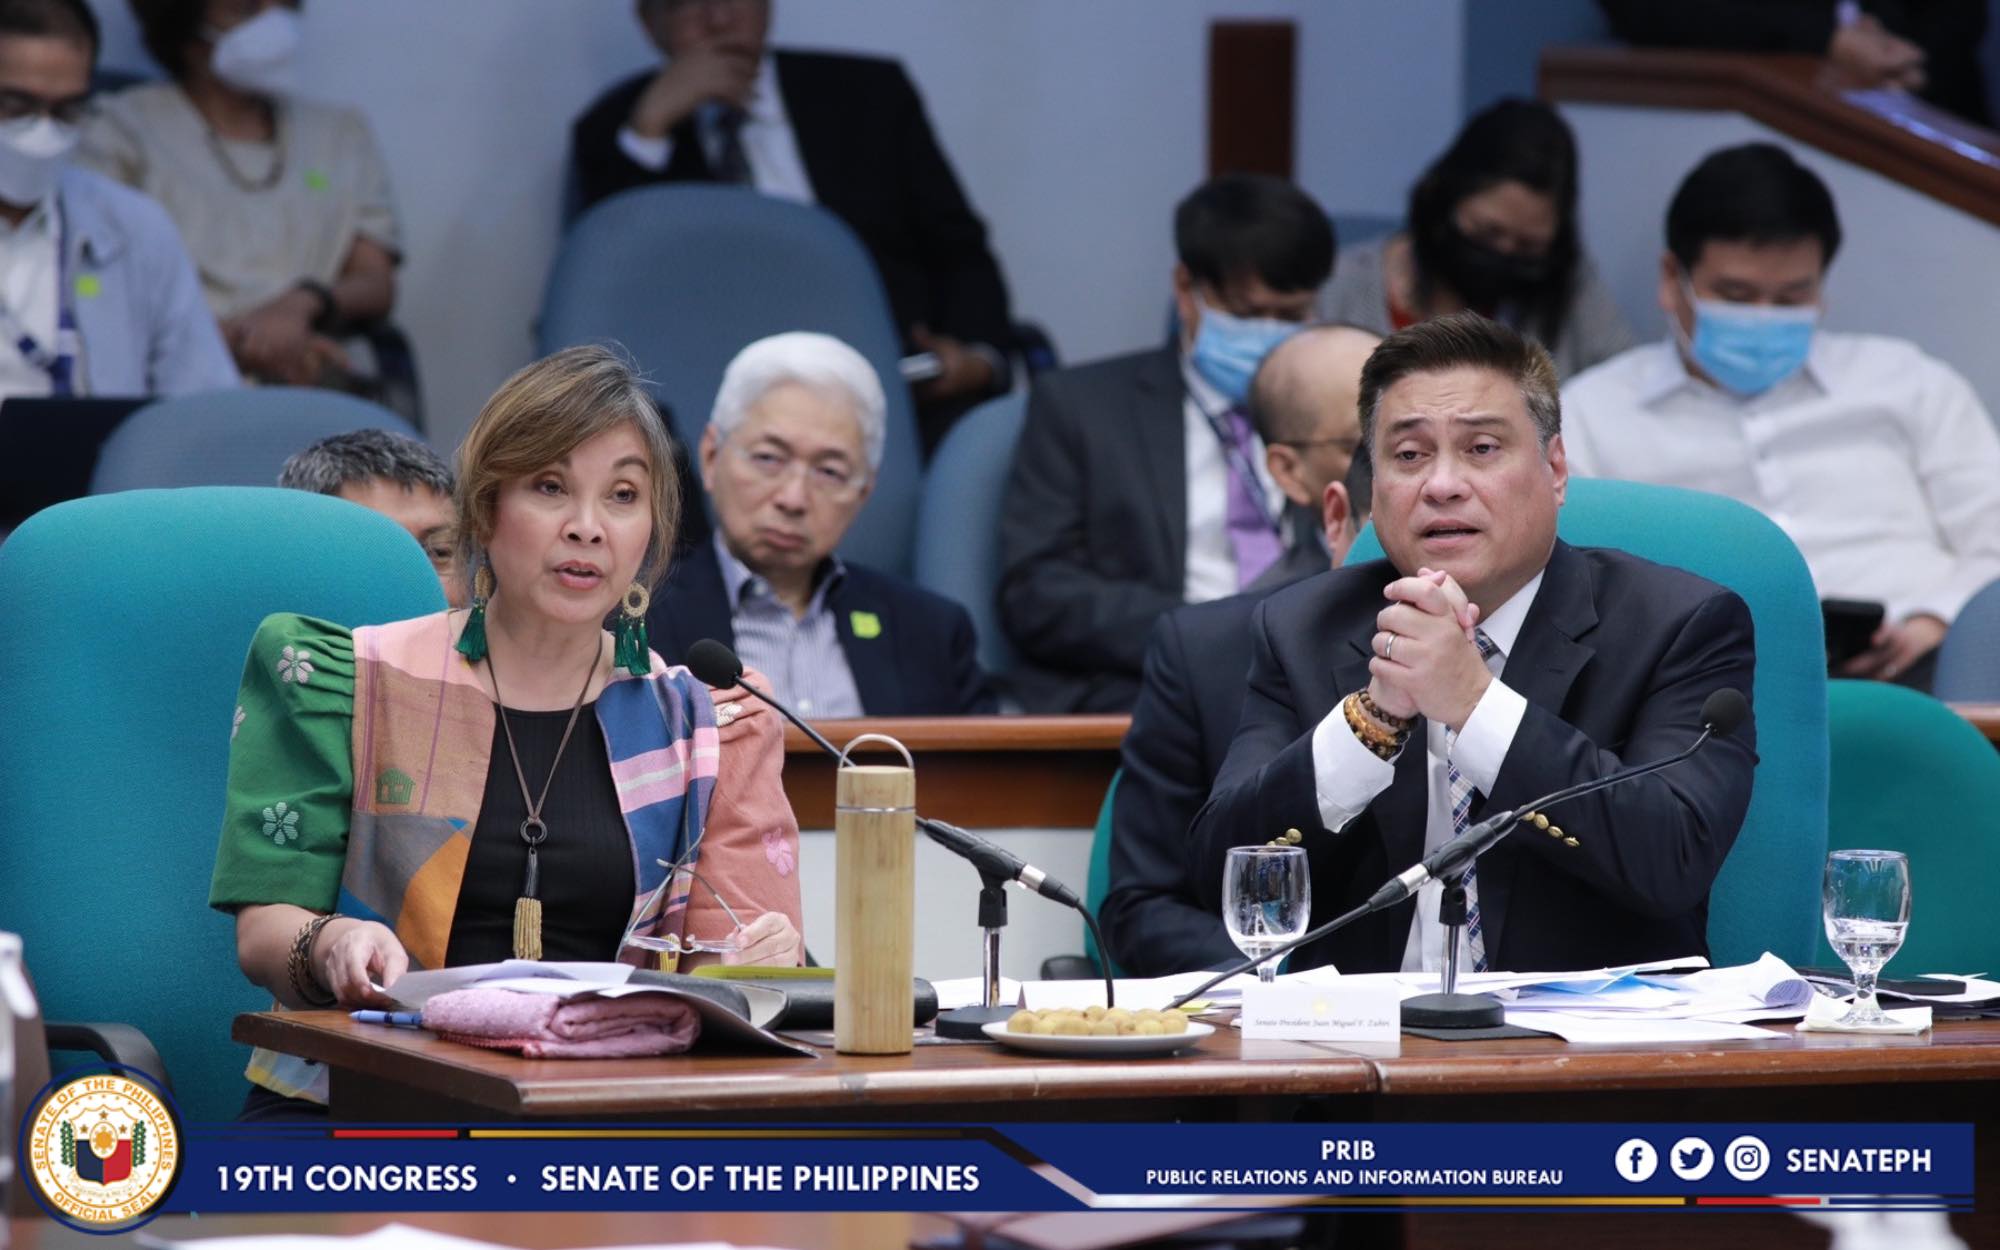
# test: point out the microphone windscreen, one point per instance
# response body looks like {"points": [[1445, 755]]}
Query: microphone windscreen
{"points": [[716, 665], [1724, 710]]}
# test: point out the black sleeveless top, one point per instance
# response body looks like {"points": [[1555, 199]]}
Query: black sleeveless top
{"points": [[586, 873]]}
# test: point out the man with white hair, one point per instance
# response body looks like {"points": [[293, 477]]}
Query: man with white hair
{"points": [[788, 459]]}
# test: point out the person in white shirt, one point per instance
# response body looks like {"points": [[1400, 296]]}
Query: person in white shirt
{"points": [[97, 295], [1878, 460]]}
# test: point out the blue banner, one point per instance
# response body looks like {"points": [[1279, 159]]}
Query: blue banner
{"points": [[1051, 1167]]}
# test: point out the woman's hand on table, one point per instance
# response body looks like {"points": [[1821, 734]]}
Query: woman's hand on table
{"points": [[770, 940], [355, 957]]}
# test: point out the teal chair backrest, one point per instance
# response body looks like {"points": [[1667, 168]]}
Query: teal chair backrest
{"points": [[1098, 883], [684, 276], [126, 618], [1911, 775], [1767, 896], [237, 437], [958, 518]]}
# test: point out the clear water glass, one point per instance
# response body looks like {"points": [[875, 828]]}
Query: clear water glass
{"points": [[1266, 900], [1866, 902]]}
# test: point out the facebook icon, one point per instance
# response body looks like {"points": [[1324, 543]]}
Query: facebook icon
{"points": [[1636, 1160]]}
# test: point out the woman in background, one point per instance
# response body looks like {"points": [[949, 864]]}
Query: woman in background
{"points": [[1492, 227], [513, 780], [283, 202]]}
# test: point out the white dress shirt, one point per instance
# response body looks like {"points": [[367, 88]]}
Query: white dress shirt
{"points": [[769, 143], [1348, 776], [1877, 460], [1211, 561], [29, 269]]}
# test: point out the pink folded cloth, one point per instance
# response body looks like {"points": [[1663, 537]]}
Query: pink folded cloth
{"points": [[543, 1026]]}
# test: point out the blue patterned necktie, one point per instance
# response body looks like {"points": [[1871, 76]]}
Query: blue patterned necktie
{"points": [[1461, 808]]}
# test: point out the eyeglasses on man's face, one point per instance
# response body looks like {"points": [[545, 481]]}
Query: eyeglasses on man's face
{"points": [[831, 479], [16, 105]]}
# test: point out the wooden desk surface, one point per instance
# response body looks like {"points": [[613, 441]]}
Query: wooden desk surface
{"points": [[965, 1078], [973, 1079]]}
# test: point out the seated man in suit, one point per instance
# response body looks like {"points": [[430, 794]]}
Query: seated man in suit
{"points": [[1482, 664], [100, 296], [1189, 702], [398, 477], [845, 132], [1878, 461], [1139, 484], [1305, 406], [788, 458]]}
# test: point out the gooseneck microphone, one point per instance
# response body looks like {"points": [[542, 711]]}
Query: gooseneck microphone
{"points": [[714, 664], [1721, 713]]}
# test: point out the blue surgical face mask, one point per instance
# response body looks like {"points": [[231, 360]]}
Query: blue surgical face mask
{"points": [[1750, 348], [1228, 349]]}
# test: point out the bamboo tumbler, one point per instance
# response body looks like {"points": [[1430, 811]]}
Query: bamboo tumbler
{"points": [[875, 889]]}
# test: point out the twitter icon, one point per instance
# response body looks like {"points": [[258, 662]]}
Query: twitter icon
{"points": [[1691, 1159]]}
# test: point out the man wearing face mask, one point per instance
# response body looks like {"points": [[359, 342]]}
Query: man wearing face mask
{"points": [[97, 296], [284, 201], [1139, 483], [1878, 460]]}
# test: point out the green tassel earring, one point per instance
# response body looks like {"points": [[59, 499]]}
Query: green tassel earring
{"points": [[631, 653], [472, 639]]}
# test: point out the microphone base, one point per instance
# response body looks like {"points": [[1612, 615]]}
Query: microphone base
{"points": [[1453, 1011], [968, 1024]]}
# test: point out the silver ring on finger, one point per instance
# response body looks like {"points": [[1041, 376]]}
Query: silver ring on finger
{"points": [[1389, 647]]}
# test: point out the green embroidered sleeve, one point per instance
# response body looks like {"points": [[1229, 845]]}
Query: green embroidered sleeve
{"points": [[291, 769]]}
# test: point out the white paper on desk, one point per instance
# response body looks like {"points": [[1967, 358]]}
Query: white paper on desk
{"points": [[413, 989], [1769, 982], [1634, 1029], [1583, 981], [1825, 1014], [956, 992], [1977, 988]]}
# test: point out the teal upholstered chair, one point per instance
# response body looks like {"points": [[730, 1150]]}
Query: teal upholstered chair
{"points": [[1911, 775], [1767, 896], [126, 619], [958, 518]]}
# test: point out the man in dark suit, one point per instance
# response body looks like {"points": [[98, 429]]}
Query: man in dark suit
{"points": [[1305, 406], [788, 458], [1482, 664], [845, 132], [1189, 702], [1138, 484]]}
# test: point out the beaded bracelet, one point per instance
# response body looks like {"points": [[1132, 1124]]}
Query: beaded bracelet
{"points": [[1384, 743], [305, 982], [1401, 724]]}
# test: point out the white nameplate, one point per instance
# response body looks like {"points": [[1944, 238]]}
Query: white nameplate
{"points": [[1322, 1013]]}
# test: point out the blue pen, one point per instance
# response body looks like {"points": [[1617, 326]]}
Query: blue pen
{"points": [[391, 1019]]}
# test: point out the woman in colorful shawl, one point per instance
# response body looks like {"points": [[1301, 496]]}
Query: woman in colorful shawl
{"points": [[512, 780]]}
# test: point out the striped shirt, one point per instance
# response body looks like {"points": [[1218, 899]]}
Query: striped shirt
{"points": [[800, 654]]}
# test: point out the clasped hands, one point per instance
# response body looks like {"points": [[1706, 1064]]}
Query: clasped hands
{"points": [[1427, 662]]}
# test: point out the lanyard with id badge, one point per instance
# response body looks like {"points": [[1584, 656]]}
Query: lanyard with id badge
{"points": [[58, 360]]}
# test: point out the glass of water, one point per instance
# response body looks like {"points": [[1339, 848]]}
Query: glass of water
{"points": [[1866, 900], [1266, 900]]}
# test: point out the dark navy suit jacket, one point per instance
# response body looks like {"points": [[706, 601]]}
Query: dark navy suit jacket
{"points": [[1614, 659], [922, 660]]}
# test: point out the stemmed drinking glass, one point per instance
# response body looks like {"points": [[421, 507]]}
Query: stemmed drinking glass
{"points": [[1866, 900], [1266, 900]]}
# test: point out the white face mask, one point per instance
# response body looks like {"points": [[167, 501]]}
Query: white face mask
{"points": [[32, 151], [261, 55]]}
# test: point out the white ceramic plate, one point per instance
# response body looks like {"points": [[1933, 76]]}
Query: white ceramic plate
{"points": [[1100, 1047]]}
